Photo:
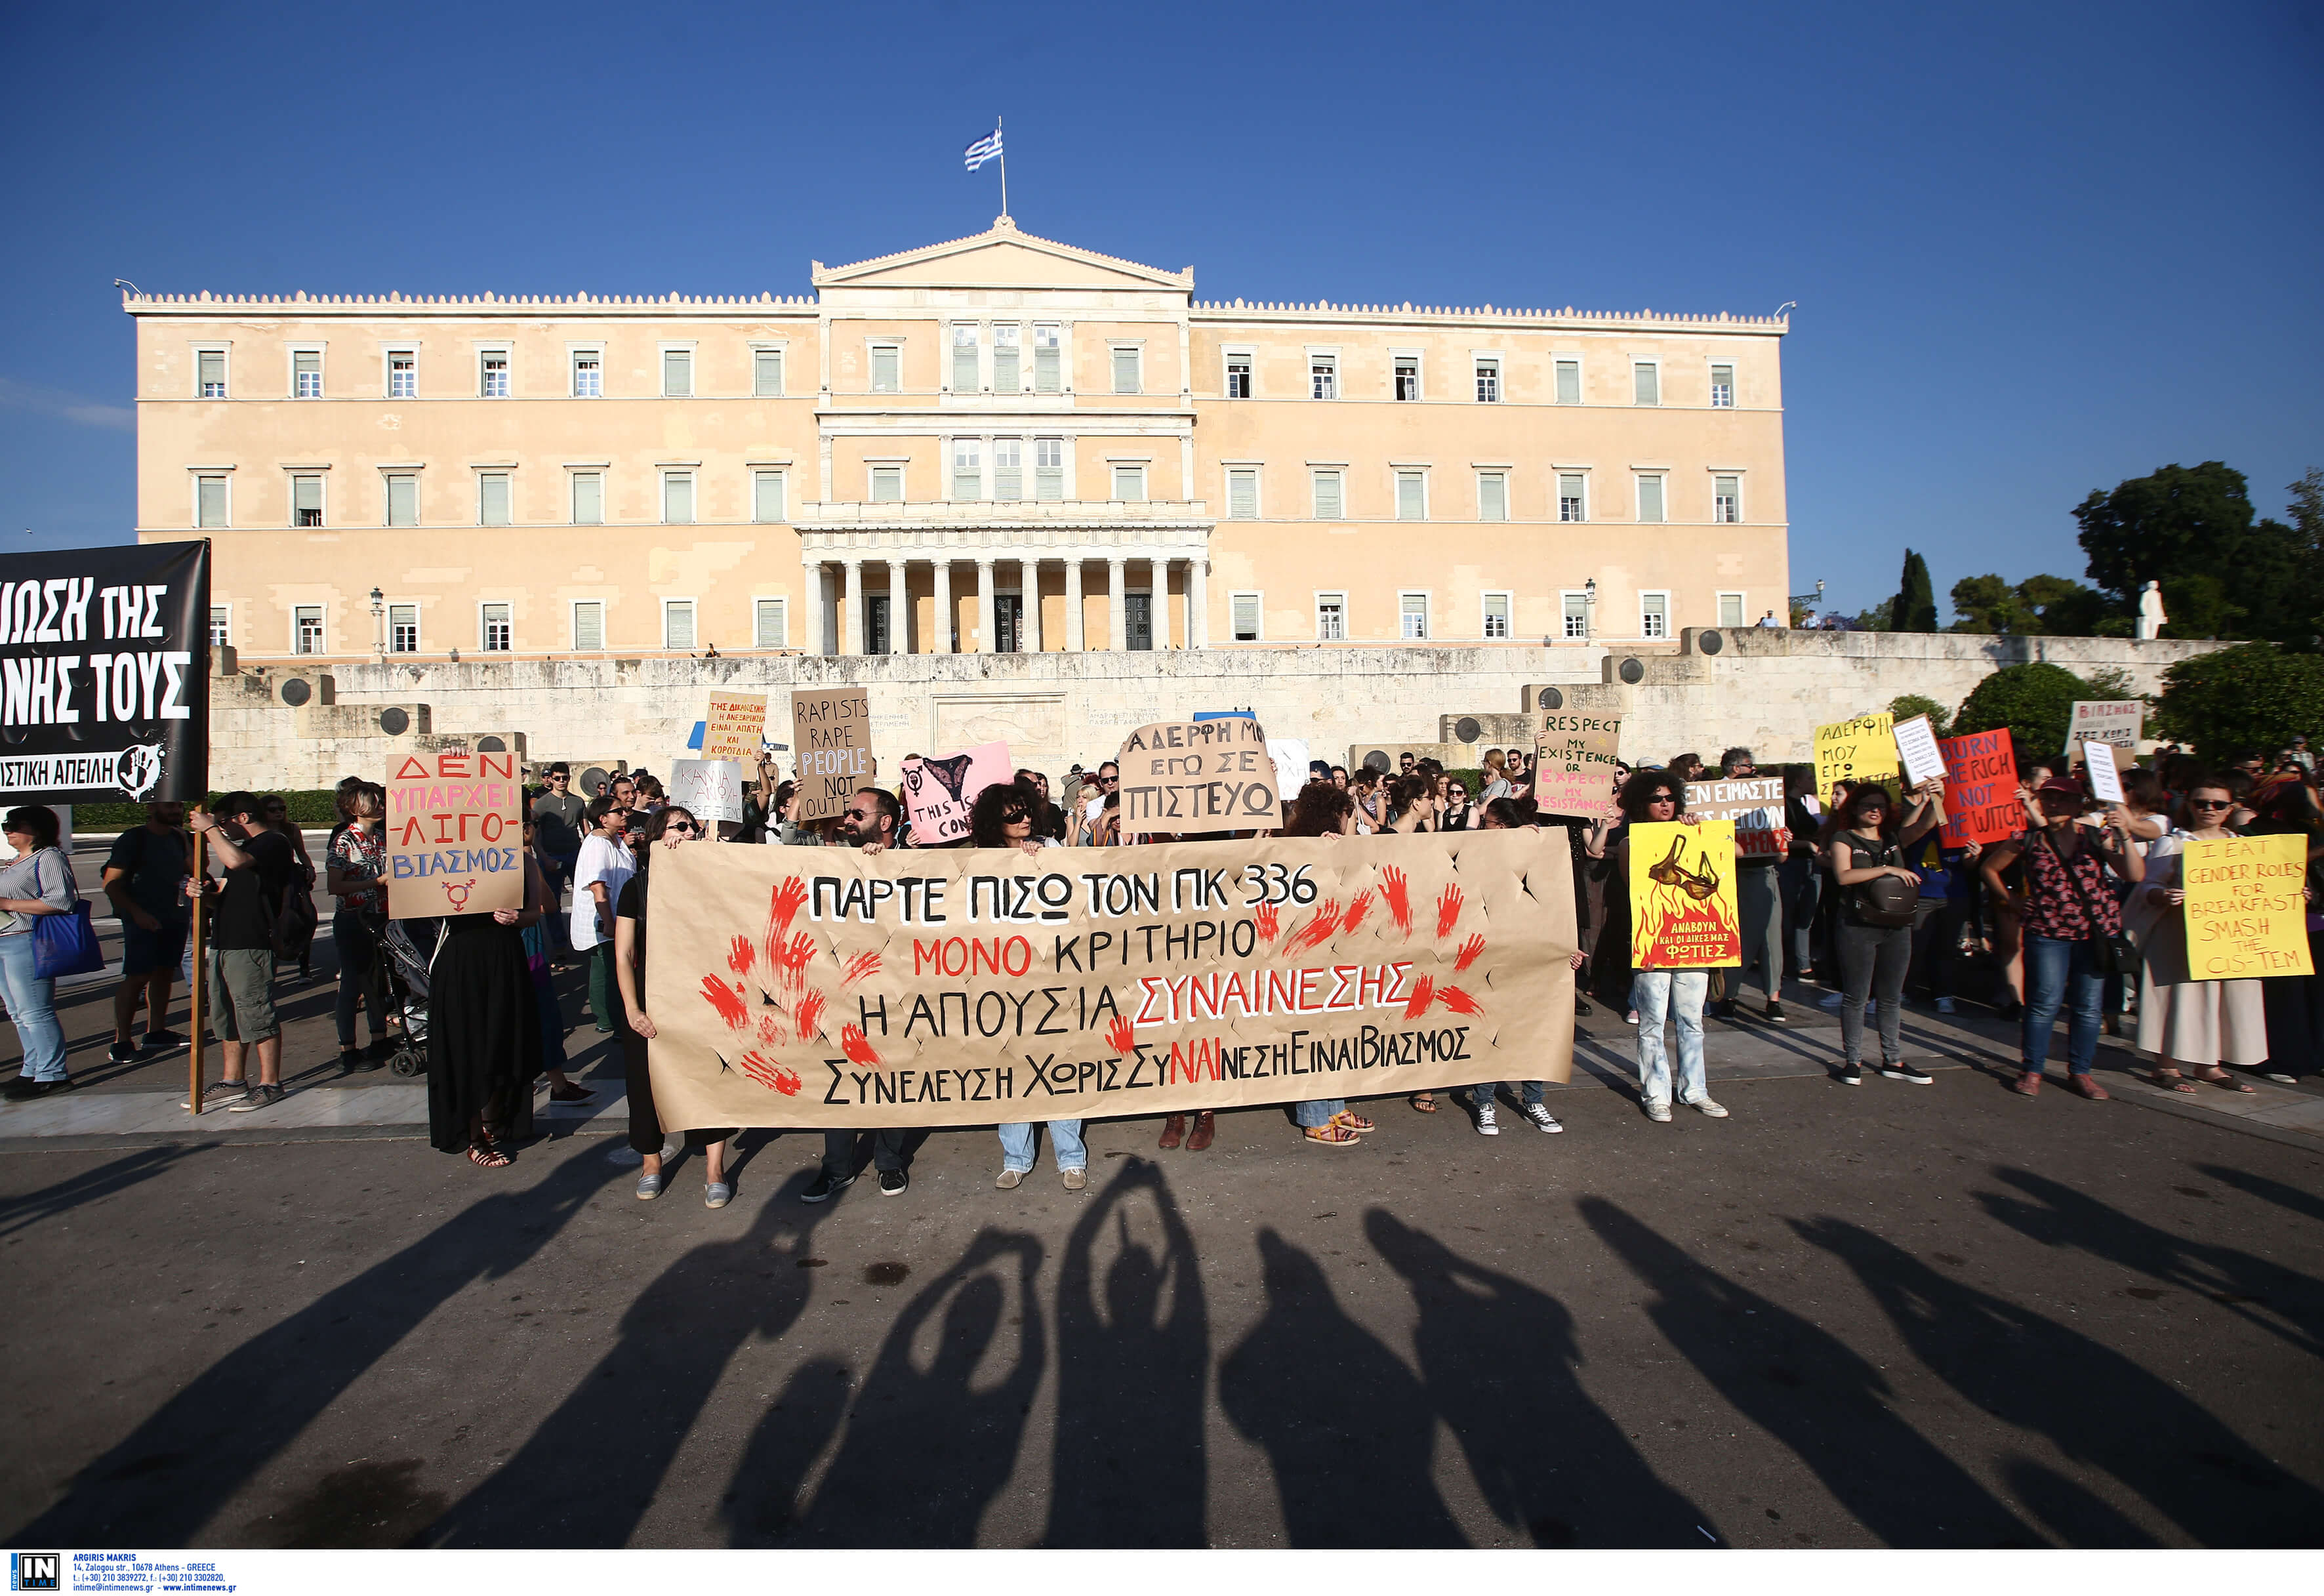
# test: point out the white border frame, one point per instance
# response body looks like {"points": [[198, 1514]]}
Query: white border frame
{"points": [[1227, 469], [481, 471], [782, 474], [216, 605], [952, 331], [573, 473], [1395, 474], [1580, 377], [695, 607], [387, 626], [419, 494], [1638, 497], [952, 443], [1316, 614], [388, 351], [1509, 511], [1557, 493], [1715, 472], [991, 352], [1710, 385], [1670, 613], [573, 624], [1742, 607], [1500, 363], [1508, 597], [1257, 595], [290, 475], [223, 350], [1419, 358], [1662, 394], [1114, 469], [1582, 594], [690, 347], [1314, 512], [1428, 597], [483, 605], [873, 344], [780, 348], [1228, 354], [901, 467], [784, 599], [662, 473], [1063, 328], [574, 351], [323, 640], [291, 354], [506, 350], [1114, 347]]}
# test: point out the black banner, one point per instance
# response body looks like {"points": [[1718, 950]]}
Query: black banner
{"points": [[105, 675]]}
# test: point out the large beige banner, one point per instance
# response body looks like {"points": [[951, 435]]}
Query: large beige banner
{"points": [[797, 987]]}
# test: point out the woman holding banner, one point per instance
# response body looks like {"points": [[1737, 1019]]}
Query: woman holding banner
{"points": [[1876, 923], [1004, 816], [483, 1030], [2200, 1024], [670, 826]]}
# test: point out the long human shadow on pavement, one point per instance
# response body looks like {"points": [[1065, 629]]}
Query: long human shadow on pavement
{"points": [[22, 1213], [1347, 1427], [1132, 1375], [2252, 1288], [2095, 1405], [927, 1448], [2272, 1191], [589, 1474], [165, 1481], [1813, 1393], [1498, 1357]]}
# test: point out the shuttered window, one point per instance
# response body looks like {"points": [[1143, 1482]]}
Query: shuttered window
{"points": [[884, 364], [967, 468], [589, 624], [1048, 364], [1242, 495], [493, 499], [1413, 608], [1331, 504], [766, 374], [307, 374], [1130, 483], [1569, 497], [307, 501], [677, 374], [209, 500], [678, 497], [1647, 381], [887, 484], [1654, 614], [1049, 469], [1577, 615], [677, 624], [1727, 498], [209, 373], [771, 624], [1008, 469], [1244, 611], [1008, 371], [1330, 617], [307, 629], [1731, 609], [1722, 387], [588, 498], [963, 359], [404, 501], [1496, 616], [1412, 495], [1492, 496], [1125, 371], [1650, 498], [767, 496], [499, 631], [1569, 382], [403, 628]]}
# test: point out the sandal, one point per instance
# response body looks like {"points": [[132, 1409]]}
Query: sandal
{"points": [[484, 1155], [2171, 1080], [1353, 1122], [1332, 1135], [1422, 1103], [2216, 1077]]}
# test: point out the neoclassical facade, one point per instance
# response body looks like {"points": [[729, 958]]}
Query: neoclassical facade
{"points": [[1001, 443]]}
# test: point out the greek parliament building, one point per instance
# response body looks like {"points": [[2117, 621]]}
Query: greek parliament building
{"points": [[1001, 444]]}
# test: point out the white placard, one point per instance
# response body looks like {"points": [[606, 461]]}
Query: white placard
{"points": [[1916, 749], [710, 790], [2105, 780], [1290, 756]]}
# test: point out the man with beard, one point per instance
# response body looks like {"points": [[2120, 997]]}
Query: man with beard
{"points": [[869, 824]]}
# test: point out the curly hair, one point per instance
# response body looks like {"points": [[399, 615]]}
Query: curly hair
{"points": [[1639, 790], [995, 808], [1321, 809]]}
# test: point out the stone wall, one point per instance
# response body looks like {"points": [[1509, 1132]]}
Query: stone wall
{"points": [[1768, 689]]}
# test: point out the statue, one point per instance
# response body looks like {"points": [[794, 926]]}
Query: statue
{"points": [[2151, 617]]}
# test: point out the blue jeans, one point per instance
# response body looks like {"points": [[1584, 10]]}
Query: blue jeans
{"points": [[2058, 974], [32, 1005], [1679, 994], [1318, 1111], [1017, 1150], [1527, 1092]]}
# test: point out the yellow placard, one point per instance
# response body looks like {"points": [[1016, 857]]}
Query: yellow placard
{"points": [[1683, 913], [2246, 915], [1859, 749]]}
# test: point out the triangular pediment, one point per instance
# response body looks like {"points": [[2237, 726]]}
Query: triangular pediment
{"points": [[1000, 257]]}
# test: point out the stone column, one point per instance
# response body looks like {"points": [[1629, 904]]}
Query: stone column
{"points": [[1074, 640], [986, 631], [851, 623], [941, 642], [1198, 601], [1117, 607], [1158, 602], [899, 610], [1028, 584]]}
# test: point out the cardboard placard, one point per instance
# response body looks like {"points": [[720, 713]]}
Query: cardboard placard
{"points": [[2246, 915], [1213, 775], [1683, 913], [1917, 750], [2118, 721], [938, 793], [2105, 780], [983, 986], [831, 747], [455, 836], [1574, 757], [1981, 803], [1859, 749], [1753, 805], [711, 790], [735, 728]]}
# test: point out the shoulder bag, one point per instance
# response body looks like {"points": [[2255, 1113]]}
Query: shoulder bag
{"points": [[2111, 954], [1885, 900], [64, 944]]}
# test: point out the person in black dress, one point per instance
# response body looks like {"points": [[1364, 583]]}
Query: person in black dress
{"points": [[483, 1030], [669, 825]]}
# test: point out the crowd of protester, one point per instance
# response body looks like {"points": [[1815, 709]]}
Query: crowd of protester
{"points": [[1865, 898]]}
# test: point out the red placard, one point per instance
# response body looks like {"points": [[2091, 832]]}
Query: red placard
{"points": [[1981, 803]]}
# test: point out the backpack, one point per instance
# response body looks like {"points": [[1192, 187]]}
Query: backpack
{"points": [[1885, 900]]}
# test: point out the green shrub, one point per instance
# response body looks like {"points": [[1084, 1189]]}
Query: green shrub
{"points": [[318, 807], [2035, 701], [1906, 707], [2251, 698]]}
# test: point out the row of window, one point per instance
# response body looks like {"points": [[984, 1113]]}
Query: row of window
{"points": [[396, 627], [1578, 618], [985, 358], [1008, 481]]}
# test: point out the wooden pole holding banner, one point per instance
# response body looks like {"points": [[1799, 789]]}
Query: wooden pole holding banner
{"points": [[197, 854]]}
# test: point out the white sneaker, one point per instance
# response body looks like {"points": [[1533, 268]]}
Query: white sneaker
{"points": [[1540, 1115], [1944, 1005], [1659, 1112], [1708, 1109], [1832, 1001], [1486, 1124]]}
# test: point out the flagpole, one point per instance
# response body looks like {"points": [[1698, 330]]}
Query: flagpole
{"points": [[1004, 167]]}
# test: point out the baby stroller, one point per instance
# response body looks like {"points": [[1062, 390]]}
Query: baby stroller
{"points": [[410, 946]]}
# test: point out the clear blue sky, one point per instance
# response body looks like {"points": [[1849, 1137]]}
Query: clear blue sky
{"points": [[2038, 248]]}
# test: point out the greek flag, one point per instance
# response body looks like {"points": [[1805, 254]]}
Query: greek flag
{"points": [[983, 150]]}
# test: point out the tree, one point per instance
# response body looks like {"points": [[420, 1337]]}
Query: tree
{"points": [[2256, 696], [2041, 605], [1906, 707], [1915, 608], [1875, 619], [2222, 573], [2035, 701]]}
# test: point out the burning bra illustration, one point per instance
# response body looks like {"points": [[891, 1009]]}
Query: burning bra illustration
{"points": [[1671, 872]]}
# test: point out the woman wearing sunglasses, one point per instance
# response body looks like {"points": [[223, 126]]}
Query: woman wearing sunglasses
{"points": [[1004, 816], [669, 827], [2199, 1025], [1653, 997]]}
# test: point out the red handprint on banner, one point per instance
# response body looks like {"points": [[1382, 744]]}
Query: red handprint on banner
{"points": [[1316, 932], [862, 966], [1459, 1001], [856, 1045], [1268, 921], [741, 955], [1422, 990], [1448, 909], [810, 1016], [728, 1001], [1118, 1034], [1470, 950], [1395, 892], [1357, 910]]}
